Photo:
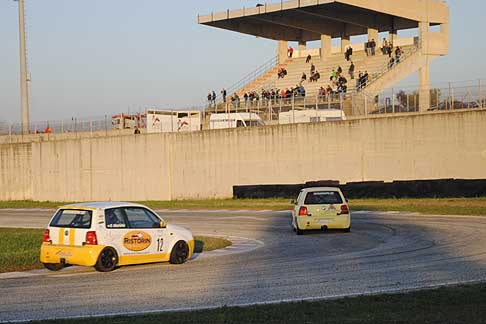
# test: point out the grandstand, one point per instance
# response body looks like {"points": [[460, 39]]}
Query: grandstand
{"points": [[312, 20]]}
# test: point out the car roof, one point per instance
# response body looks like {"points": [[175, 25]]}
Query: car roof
{"points": [[102, 205], [314, 189]]}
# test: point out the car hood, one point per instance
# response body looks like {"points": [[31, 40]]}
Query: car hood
{"points": [[187, 234]]}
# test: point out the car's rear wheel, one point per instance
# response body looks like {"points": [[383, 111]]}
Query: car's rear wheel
{"points": [[54, 266], [298, 231], [107, 260], [347, 230], [179, 253]]}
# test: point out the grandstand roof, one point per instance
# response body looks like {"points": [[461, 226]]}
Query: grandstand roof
{"points": [[307, 20]]}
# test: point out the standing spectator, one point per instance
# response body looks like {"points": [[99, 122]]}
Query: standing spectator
{"points": [[368, 48], [339, 70], [351, 70], [348, 53], [373, 46], [290, 51], [304, 77], [209, 98], [384, 47], [309, 57], [312, 69], [223, 93], [213, 98]]}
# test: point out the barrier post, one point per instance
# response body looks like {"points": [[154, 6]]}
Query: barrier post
{"points": [[393, 101], [479, 95], [293, 108]]}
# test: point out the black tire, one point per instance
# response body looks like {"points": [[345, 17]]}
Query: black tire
{"points": [[107, 260], [347, 230], [298, 231], [179, 253], [54, 266]]}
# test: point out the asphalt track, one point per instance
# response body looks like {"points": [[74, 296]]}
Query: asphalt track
{"points": [[385, 252]]}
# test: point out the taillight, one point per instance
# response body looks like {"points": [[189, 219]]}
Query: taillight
{"points": [[303, 211], [46, 238], [344, 210], [91, 238]]}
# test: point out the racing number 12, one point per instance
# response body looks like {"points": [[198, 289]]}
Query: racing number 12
{"points": [[160, 244]]}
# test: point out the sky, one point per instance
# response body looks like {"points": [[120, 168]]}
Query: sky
{"points": [[93, 58]]}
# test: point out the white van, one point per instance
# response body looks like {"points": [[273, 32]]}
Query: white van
{"points": [[164, 121], [234, 120], [310, 116]]}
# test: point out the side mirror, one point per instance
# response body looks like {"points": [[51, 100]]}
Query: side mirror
{"points": [[163, 224]]}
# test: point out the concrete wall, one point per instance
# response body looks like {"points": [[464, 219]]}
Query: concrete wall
{"points": [[15, 172], [209, 163]]}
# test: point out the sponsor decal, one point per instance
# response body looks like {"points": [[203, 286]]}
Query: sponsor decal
{"points": [[63, 254], [137, 241], [332, 207]]}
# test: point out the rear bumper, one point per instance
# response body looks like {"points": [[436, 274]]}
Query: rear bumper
{"points": [[340, 222], [76, 255]]}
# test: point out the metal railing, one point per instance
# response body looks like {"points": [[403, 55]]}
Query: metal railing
{"points": [[442, 97], [250, 77]]}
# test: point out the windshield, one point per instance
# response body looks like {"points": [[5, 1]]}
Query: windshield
{"points": [[72, 218]]}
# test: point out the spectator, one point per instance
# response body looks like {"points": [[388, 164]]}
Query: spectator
{"points": [[351, 70], [368, 48], [223, 93], [309, 57], [384, 47], [213, 98], [209, 98], [312, 68], [391, 63], [348, 53], [398, 54], [339, 70], [373, 46], [290, 51], [304, 77], [137, 131], [281, 73]]}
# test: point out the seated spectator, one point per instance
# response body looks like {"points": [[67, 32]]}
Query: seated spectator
{"points": [[304, 77], [339, 70], [391, 63], [313, 68], [309, 57]]}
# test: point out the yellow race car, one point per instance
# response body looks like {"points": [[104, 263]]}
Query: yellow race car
{"points": [[320, 208], [110, 234]]}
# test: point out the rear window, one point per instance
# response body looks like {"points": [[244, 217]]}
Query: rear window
{"points": [[72, 218], [323, 198]]}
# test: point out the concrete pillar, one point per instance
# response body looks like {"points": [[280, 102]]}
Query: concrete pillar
{"points": [[345, 42], [392, 37], [424, 91], [326, 47], [282, 51], [424, 32], [444, 29], [373, 34], [302, 46]]}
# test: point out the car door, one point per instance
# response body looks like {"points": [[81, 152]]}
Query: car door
{"points": [[145, 235]]}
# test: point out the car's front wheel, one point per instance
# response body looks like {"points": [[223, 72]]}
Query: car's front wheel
{"points": [[179, 253], [107, 260], [54, 266]]}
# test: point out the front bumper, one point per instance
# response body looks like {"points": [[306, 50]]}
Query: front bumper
{"points": [[86, 255]]}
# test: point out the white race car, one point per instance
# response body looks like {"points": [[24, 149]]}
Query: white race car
{"points": [[110, 234]]}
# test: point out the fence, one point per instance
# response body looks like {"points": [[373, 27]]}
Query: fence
{"points": [[443, 97]]}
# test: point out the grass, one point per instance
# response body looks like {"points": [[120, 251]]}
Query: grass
{"points": [[439, 206], [19, 248], [462, 304]]}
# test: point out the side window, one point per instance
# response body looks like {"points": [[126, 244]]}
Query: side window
{"points": [[114, 218], [141, 218]]}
